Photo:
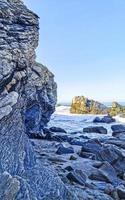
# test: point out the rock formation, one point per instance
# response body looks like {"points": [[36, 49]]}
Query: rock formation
{"points": [[117, 109], [83, 105], [27, 100]]}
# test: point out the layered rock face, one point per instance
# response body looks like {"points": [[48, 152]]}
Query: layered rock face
{"points": [[83, 105], [19, 74], [27, 99], [40, 91]]}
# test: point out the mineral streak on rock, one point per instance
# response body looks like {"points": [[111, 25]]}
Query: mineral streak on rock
{"points": [[27, 100]]}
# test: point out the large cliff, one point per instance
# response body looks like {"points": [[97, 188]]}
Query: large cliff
{"points": [[27, 100], [21, 78]]}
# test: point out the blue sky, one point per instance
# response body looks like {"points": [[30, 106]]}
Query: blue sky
{"points": [[83, 43]]}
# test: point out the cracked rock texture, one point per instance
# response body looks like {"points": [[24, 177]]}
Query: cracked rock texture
{"points": [[27, 100]]}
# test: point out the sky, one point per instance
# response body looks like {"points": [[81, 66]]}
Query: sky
{"points": [[83, 43]]}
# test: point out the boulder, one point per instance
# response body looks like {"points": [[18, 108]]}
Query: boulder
{"points": [[92, 146], [106, 119], [83, 105], [117, 142], [77, 176], [109, 173], [36, 135], [62, 138], [95, 129], [64, 150], [109, 154], [118, 128], [57, 130], [114, 156], [106, 173], [76, 142]]}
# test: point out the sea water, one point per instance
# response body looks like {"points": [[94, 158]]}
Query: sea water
{"points": [[76, 122]]}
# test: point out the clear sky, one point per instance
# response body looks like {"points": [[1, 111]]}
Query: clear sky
{"points": [[83, 43]]}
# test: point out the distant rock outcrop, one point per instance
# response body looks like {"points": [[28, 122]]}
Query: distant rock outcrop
{"points": [[117, 109], [83, 105], [27, 100]]}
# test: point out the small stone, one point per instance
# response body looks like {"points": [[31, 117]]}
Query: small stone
{"points": [[72, 157], [69, 168], [109, 189]]}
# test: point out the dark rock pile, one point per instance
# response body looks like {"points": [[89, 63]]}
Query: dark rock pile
{"points": [[92, 168]]}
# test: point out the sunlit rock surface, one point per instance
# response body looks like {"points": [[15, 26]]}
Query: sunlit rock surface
{"points": [[83, 105]]}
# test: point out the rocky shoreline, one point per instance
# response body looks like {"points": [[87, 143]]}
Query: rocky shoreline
{"points": [[48, 163], [90, 167]]}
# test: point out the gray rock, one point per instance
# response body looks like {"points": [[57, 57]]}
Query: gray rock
{"points": [[95, 129], [92, 146], [57, 129], [117, 142], [121, 192], [106, 119], [64, 150], [109, 173], [117, 129], [76, 142], [114, 156], [105, 173], [62, 138], [77, 176]]}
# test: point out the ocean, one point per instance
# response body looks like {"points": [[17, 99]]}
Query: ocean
{"points": [[76, 122], [108, 104]]}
